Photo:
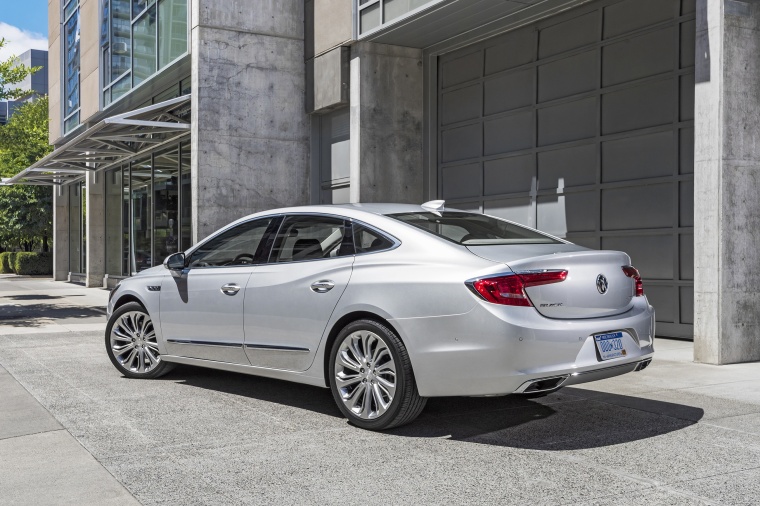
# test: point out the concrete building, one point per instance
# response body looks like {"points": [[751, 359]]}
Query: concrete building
{"points": [[36, 84], [619, 124]]}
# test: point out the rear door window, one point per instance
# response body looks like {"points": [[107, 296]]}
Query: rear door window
{"points": [[304, 237]]}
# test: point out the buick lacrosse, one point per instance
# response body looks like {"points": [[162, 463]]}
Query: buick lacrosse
{"points": [[386, 305]]}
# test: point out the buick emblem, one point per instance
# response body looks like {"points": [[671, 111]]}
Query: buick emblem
{"points": [[601, 284]]}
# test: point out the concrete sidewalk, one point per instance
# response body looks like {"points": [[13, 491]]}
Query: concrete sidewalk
{"points": [[76, 432], [33, 304], [42, 463]]}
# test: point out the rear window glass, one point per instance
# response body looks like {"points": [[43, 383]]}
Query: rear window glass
{"points": [[367, 240], [471, 229]]}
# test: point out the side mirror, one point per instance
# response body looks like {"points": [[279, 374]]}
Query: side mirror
{"points": [[175, 262]]}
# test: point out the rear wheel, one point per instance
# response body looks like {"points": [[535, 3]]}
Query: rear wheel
{"points": [[131, 343], [371, 377]]}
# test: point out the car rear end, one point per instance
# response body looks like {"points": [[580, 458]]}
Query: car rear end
{"points": [[552, 315]]}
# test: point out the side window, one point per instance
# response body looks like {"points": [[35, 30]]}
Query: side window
{"points": [[367, 240], [237, 246], [311, 238]]}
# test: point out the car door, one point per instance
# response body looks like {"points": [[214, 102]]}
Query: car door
{"points": [[201, 309], [289, 299]]}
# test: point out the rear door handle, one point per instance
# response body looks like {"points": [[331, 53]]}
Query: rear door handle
{"points": [[230, 289], [322, 286]]}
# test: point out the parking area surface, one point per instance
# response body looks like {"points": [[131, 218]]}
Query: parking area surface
{"points": [[676, 433]]}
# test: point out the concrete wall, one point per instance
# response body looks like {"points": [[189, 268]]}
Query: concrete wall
{"points": [[54, 68], [727, 174], [333, 24], [60, 233], [328, 24], [327, 80], [96, 229], [89, 59], [250, 132], [386, 123]]}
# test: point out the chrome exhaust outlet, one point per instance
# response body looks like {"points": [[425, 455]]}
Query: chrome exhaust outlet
{"points": [[643, 365], [542, 384]]}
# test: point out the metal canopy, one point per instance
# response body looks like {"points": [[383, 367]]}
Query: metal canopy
{"points": [[110, 142], [441, 21]]}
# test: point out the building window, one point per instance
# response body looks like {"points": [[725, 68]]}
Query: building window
{"points": [[138, 39], [374, 13], [77, 224], [148, 210], [70, 65], [334, 142]]}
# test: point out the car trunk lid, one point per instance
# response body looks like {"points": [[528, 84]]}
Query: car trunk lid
{"points": [[595, 287]]}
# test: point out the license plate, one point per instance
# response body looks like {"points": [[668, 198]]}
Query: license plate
{"points": [[610, 345]]}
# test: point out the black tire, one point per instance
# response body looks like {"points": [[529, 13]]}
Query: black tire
{"points": [[406, 404], [157, 369]]}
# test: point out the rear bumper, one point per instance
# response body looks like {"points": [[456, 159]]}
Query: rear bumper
{"points": [[553, 383], [496, 350]]}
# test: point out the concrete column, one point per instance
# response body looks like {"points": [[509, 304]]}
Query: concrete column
{"points": [[250, 130], [727, 175], [61, 233], [386, 123], [96, 230]]}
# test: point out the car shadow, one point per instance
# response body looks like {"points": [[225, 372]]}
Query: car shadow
{"points": [[39, 297], [28, 315], [570, 419]]}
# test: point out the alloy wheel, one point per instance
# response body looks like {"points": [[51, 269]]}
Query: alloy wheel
{"points": [[365, 374], [133, 342]]}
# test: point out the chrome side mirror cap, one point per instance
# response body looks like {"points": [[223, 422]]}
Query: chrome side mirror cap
{"points": [[175, 262]]}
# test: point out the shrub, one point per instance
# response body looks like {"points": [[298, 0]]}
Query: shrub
{"points": [[8, 262], [33, 263], [5, 263]]}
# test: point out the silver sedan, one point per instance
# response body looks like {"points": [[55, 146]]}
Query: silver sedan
{"points": [[386, 305]]}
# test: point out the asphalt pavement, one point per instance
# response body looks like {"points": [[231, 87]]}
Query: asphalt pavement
{"points": [[74, 431]]}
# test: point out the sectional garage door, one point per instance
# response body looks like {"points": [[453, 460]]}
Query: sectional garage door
{"points": [[582, 125]]}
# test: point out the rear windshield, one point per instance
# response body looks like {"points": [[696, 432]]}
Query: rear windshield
{"points": [[470, 229]]}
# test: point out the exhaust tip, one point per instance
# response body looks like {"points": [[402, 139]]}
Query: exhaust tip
{"points": [[643, 365], [542, 385]]}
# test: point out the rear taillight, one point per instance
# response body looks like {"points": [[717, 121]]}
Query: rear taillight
{"points": [[509, 290], [633, 272]]}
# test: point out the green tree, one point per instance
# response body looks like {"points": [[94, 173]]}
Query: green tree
{"points": [[26, 212], [13, 72]]}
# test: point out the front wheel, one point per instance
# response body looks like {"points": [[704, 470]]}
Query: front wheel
{"points": [[371, 377], [131, 343]]}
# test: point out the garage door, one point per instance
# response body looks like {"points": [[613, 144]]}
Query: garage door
{"points": [[582, 125]]}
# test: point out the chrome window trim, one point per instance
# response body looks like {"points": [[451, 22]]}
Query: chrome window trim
{"points": [[396, 242]]}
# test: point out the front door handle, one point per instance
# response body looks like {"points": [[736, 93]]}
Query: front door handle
{"points": [[230, 289], [322, 286]]}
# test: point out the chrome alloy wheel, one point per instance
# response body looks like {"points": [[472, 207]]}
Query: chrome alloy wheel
{"points": [[365, 374], [133, 342]]}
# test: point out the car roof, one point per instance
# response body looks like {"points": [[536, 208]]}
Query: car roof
{"points": [[350, 210]]}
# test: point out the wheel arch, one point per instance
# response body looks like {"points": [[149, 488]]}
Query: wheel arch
{"points": [[339, 325], [125, 299]]}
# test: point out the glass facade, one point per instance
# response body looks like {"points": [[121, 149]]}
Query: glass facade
{"points": [[70, 65], [148, 210], [77, 224], [138, 38]]}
